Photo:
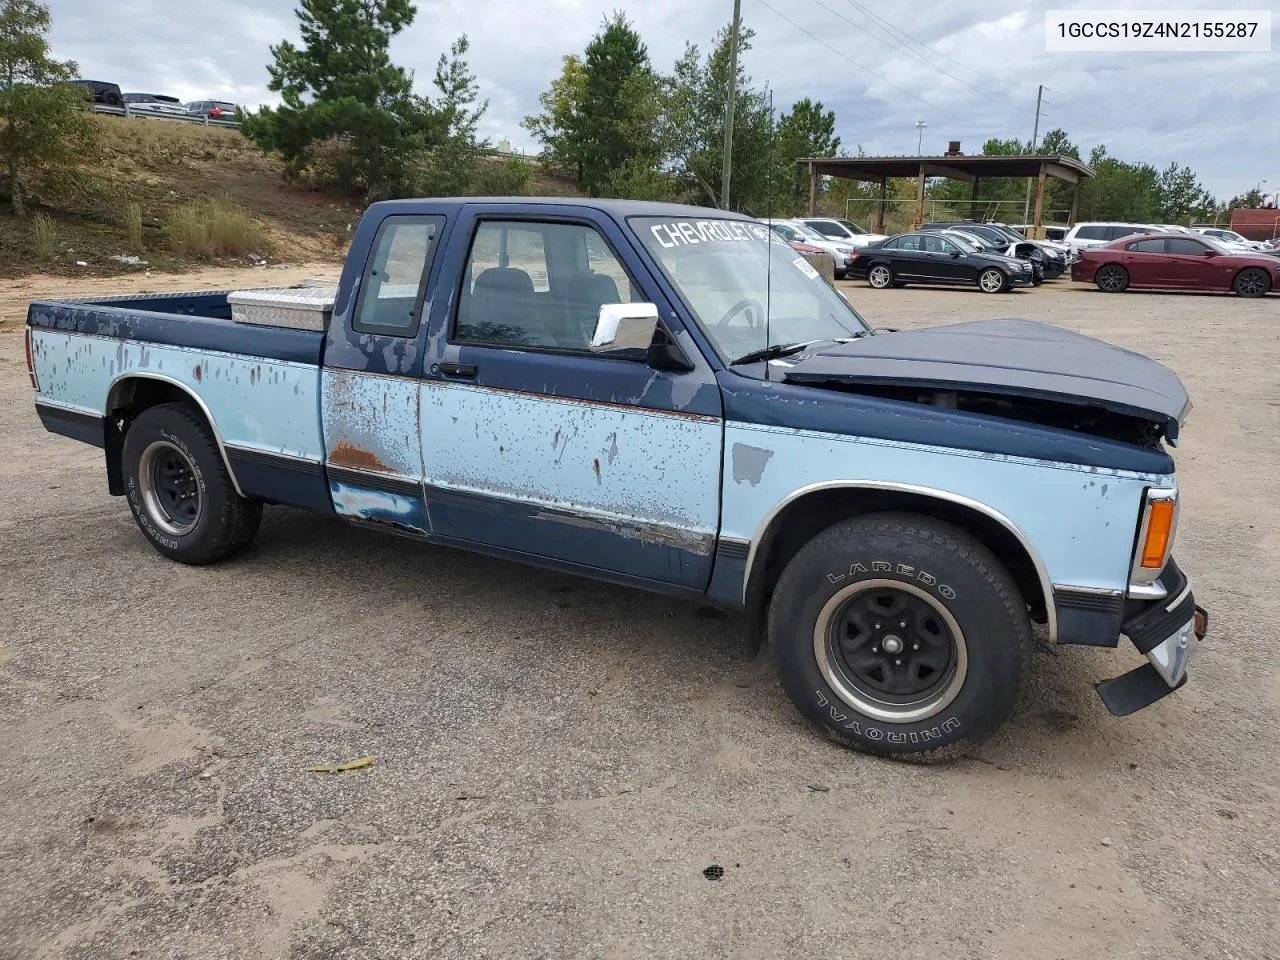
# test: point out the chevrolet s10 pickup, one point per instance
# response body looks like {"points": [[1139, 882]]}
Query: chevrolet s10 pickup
{"points": [[669, 397]]}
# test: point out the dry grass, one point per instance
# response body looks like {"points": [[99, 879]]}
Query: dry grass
{"points": [[45, 236], [133, 225], [214, 228]]}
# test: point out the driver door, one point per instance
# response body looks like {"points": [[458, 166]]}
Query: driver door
{"points": [[535, 446]]}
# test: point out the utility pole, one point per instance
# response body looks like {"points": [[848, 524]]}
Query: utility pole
{"points": [[727, 169], [920, 125], [1035, 135]]}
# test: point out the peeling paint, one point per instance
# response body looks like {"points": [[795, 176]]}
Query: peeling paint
{"points": [[345, 454], [749, 463]]}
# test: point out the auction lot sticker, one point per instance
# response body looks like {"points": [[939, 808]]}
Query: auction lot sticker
{"points": [[1136, 31]]}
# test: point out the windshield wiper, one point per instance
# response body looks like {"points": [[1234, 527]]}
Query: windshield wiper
{"points": [[776, 350]]}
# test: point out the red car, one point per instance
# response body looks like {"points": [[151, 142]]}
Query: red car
{"points": [[1175, 261]]}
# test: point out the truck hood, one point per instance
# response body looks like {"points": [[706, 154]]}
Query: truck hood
{"points": [[1012, 358]]}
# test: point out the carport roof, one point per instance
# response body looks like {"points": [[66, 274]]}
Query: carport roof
{"points": [[956, 167]]}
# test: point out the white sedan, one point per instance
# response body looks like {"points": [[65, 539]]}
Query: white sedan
{"points": [[154, 105], [793, 231], [1231, 239], [841, 230]]}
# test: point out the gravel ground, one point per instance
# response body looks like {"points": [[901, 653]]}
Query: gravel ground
{"points": [[559, 762]]}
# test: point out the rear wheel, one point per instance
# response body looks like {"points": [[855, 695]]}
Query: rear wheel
{"points": [[1251, 282], [900, 635], [1111, 278], [179, 490], [991, 280], [880, 276]]}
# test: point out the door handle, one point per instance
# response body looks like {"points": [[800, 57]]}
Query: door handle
{"points": [[465, 371]]}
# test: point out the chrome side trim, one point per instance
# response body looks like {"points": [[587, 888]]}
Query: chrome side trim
{"points": [[1046, 585], [204, 408], [1179, 598], [68, 407], [1091, 591], [274, 454], [1148, 591]]}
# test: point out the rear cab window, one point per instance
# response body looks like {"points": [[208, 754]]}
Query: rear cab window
{"points": [[392, 287]]}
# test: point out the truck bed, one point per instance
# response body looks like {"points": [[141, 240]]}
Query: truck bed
{"points": [[259, 385], [198, 320]]}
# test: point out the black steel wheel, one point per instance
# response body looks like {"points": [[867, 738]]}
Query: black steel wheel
{"points": [[888, 648], [169, 488]]}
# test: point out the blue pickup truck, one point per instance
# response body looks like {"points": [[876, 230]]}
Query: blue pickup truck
{"points": [[668, 397]]}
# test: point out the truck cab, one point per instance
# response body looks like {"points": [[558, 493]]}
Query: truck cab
{"points": [[670, 398]]}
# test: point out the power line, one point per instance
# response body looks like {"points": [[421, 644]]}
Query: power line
{"points": [[900, 48], [889, 27], [844, 56]]}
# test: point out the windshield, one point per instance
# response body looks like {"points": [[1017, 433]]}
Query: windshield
{"points": [[851, 227], [963, 241], [721, 269]]}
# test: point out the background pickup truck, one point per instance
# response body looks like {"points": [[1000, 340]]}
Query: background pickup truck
{"points": [[665, 396]]}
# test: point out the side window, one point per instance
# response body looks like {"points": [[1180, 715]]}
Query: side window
{"points": [[1115, 233], [786, 232], [389, 290], [1090, 233], [829, 230], [909, 243], [1146, 246], [538, 284], [1185, 247], [935, 244]]}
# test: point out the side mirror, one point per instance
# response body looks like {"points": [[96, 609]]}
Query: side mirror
{"points": [[1211, 253], [624, 326], [955, 254]]}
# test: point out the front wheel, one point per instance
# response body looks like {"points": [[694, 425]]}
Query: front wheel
{"points": [[991, 280], [1251, 282], [900, 635], [179, 490], [880, 276]]}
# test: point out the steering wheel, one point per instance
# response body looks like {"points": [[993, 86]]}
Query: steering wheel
{"points": [[754, 318]]}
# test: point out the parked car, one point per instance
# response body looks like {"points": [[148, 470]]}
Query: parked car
{"points": [[154, 104], [213, 109], [792, 230], [837, 228], [1051, 232], [1085, 235], [99, 91], [1176, 261], [898, 508], [928, 257], [1051, 259], [1231, 237], [980, 244]]}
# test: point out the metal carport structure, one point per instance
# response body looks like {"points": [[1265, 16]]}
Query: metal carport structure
{"points": [[972, 170]]}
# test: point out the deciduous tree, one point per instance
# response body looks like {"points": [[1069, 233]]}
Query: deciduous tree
{"points": [[44, 127]]}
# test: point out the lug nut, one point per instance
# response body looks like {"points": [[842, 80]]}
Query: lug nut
{"points": [[897, 663], [875, 649], [915, 646]]}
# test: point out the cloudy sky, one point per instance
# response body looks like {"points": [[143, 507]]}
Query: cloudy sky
{"points": [[969, 68]]}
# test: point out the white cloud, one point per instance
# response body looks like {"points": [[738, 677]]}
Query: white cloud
{"points": [[982, 60]]}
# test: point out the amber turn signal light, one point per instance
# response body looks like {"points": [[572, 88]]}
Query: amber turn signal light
{"points": [[1159, 530]]}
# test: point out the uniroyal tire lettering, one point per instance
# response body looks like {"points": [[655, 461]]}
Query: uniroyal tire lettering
{"points": [[855, 727]]}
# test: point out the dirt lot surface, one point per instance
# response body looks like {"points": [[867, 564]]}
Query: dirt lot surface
{"points": [[559, 762]]}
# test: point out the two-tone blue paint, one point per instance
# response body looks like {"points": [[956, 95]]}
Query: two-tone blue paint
{"points": [[665, 479]]}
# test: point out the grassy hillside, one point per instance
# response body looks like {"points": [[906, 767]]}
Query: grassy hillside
{"points": [[176, 176]]}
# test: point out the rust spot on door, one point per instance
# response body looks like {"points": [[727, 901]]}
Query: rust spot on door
{"points": [[596, 464], [198, 373], [348, 455]]}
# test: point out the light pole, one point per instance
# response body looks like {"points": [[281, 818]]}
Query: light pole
{"points": [[920, 125]]}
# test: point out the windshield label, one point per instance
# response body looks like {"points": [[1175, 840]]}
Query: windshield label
{"points": [[805, 267], [683, 233]]}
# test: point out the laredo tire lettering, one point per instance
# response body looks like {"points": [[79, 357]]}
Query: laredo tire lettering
{"points": [[902, 570]]}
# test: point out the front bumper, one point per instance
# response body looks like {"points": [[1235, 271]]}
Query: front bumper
{"points": [[1167, 631]]}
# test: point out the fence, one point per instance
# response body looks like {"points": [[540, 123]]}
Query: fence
{"points": [[900, 214], [126, 111]]}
